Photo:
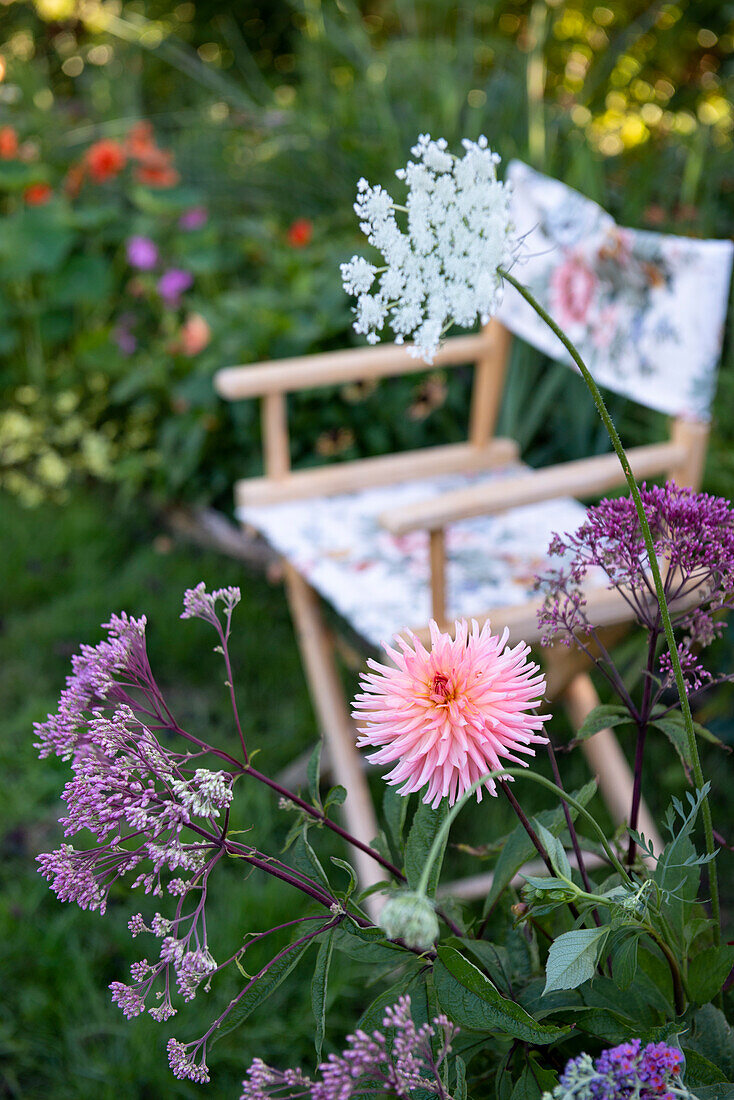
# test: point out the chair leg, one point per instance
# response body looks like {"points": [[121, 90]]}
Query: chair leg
{"points": [[332, 713], [607, 760]]}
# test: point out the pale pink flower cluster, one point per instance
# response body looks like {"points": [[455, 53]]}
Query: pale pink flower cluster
{"points": [[447, 716]]}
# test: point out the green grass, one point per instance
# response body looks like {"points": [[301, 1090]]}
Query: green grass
{"points": [[66, 569]]}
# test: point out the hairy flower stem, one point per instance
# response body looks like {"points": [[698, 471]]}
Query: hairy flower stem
{"points": [[659, 589], [642, 726]]}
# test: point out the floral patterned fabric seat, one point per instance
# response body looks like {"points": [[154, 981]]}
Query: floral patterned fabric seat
{"points": [[646, 310], [380, 583]]}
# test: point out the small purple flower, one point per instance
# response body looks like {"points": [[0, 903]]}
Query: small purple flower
{"points": [[173, 283], [194, 218], [693, 534], [624, 1073], [142, 253], [369, 1063]]}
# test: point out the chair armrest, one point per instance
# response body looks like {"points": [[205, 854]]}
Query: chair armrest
{"points": [[583, 477], [336, 367]]}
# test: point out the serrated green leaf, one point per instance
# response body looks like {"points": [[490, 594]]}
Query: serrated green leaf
{"points": [[707, 972], [423, 830], [711, 1035], [700, 1072], [724, 1091], [469, 998], [624, 961], [459, 1091], [556, 851], [602, 717], [319, 990], [260, 991], [572, 958]]}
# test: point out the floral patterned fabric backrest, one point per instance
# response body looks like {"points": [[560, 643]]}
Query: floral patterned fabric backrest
{"points": [[646, 310]]}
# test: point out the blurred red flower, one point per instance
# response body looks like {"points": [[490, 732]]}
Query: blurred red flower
{"points": [[300, 233], [37, 194], [8, 143], [140, 142], [105, 159], [156, 169], [74, 180]]}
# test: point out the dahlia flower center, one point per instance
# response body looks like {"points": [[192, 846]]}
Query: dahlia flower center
{"points": [[442, 689]]}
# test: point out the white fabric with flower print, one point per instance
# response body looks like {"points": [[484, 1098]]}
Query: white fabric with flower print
{"points": [[380, 583], [646, 310]]}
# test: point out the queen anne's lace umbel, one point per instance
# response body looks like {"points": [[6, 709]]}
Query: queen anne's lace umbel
{"points": [[444, 268]]}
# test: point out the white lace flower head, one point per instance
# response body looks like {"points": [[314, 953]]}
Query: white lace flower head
{"points": [[443, 268]]}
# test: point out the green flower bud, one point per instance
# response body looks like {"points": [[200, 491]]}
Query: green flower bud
{"points": [[410, 917]]}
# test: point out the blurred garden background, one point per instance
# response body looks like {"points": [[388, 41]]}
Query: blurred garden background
{"points": [[176, 188]]}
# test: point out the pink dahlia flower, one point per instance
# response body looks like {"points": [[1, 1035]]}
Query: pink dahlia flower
{"points": [[449, 716]]}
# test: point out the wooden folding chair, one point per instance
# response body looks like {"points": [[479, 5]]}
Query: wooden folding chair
{"points": [[364, 533]]}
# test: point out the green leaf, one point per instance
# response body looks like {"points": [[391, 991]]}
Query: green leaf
{"points": [[572, 958], [624, 960], [261, 990], [724, 1091], [336, 796], [534, 1080], [83, 280], [459, 1090], [707, 972], [556, 852], [305, 859], [395, 809], [313, 773], [699, 1071], [519, 848], [350, 871], [368, 945], [16, 175], [602, 717], [373, 1015], [469, 998], [319, 988], [426, 824], [711, 1036]]}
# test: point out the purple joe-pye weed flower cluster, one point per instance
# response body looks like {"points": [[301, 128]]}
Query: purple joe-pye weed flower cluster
{"points": [[625, 1072], [370, 1063], [164, 815], [444, 269], [149, 808], [693, 535]]}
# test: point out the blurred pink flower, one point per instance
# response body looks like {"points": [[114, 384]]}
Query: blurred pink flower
{"points": [[195, 334], [173, 283], [448, 716], [194, 218], [142, 253], [572, 288]]}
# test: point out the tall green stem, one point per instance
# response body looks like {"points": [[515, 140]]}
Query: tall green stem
{"points": [[659, 589]]}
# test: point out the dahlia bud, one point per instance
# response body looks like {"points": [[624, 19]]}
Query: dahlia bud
{"points": [[410, 917]]}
